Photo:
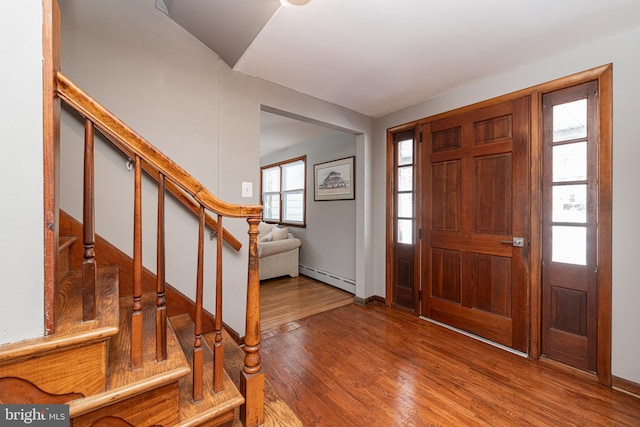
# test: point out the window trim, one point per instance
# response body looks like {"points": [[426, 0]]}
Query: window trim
{"points": [[282, 192]]}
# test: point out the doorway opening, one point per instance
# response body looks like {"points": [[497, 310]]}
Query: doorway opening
{"points": [[326, 229]]}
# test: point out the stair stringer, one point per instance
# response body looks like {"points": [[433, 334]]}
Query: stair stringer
{"points": [[75, 358]]}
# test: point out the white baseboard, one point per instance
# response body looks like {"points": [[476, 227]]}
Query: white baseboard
{"points": [[329, 278]]}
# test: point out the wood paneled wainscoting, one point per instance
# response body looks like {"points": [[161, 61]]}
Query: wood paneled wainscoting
{"points": [[380, 366]]}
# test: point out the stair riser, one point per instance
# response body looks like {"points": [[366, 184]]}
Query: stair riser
{"points": [[76, 370], [154, 407]]}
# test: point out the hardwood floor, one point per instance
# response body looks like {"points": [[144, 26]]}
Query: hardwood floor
{"points": [[377, 366], [285, 299]]}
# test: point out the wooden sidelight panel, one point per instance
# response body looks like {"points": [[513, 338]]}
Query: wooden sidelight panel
{"points": [[475, 190], [402, 249], [570, 217]]}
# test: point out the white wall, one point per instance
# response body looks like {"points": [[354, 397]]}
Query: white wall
{"points": [[185, 100], [21, 219], [149, 72], [329, 239], [622, 52]]}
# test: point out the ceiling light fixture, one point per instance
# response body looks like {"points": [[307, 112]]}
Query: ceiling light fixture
{"points": [[288, 3]]}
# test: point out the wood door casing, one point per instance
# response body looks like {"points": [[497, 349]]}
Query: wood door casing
{"points": [[476, 195]]}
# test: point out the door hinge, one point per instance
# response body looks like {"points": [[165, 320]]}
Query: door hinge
{"points": [[420, 233], [420, 136], [420, 295]]}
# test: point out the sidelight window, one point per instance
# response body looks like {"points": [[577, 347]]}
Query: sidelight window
{"points": [[405, 192], [570, 182]]}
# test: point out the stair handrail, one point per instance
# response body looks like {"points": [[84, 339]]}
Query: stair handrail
{"points": [[115, 129], [172, 178]]}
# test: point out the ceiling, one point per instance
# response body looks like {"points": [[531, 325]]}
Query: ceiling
{"points": [[227, 27], [376, 57]]}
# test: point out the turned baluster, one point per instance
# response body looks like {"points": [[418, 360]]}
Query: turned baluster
{"points": [[251, 378], [198, 351], [161, 304], [88, 234], [218, 349], [136, 314]]}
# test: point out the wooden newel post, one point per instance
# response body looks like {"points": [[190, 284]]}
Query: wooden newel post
{"points": [[88, 232], [251, 378]]}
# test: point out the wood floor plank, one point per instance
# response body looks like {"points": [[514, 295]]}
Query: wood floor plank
{"points": [[286, 299], [380, 366], [276, 412]]}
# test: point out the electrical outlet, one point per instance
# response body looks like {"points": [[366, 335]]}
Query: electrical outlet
{"points": [[247, 189]]}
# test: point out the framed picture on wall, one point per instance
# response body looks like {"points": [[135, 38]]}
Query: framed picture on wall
{"points": [[334, 180]]}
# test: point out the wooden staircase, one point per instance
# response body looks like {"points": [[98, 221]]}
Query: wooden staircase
{"points": [[73, 362], [109, 350], [86, 364]]}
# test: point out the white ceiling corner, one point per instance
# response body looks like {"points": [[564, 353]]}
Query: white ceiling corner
{"points": [[227, 27], [162, 6]]}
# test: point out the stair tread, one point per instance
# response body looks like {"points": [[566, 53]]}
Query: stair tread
{"points": [[124, 382], [213, 404], [71, 330]]}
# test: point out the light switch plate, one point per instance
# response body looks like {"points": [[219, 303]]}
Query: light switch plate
{"points": [[247, 189]]}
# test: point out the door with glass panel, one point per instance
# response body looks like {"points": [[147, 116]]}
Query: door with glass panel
{"points": [[405, 267], [570, 200]]}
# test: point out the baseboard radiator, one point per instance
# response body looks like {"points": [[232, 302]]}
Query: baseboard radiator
{"points": [[329, 278]]}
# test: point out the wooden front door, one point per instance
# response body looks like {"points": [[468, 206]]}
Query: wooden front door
{"points": [[475, 187]]}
